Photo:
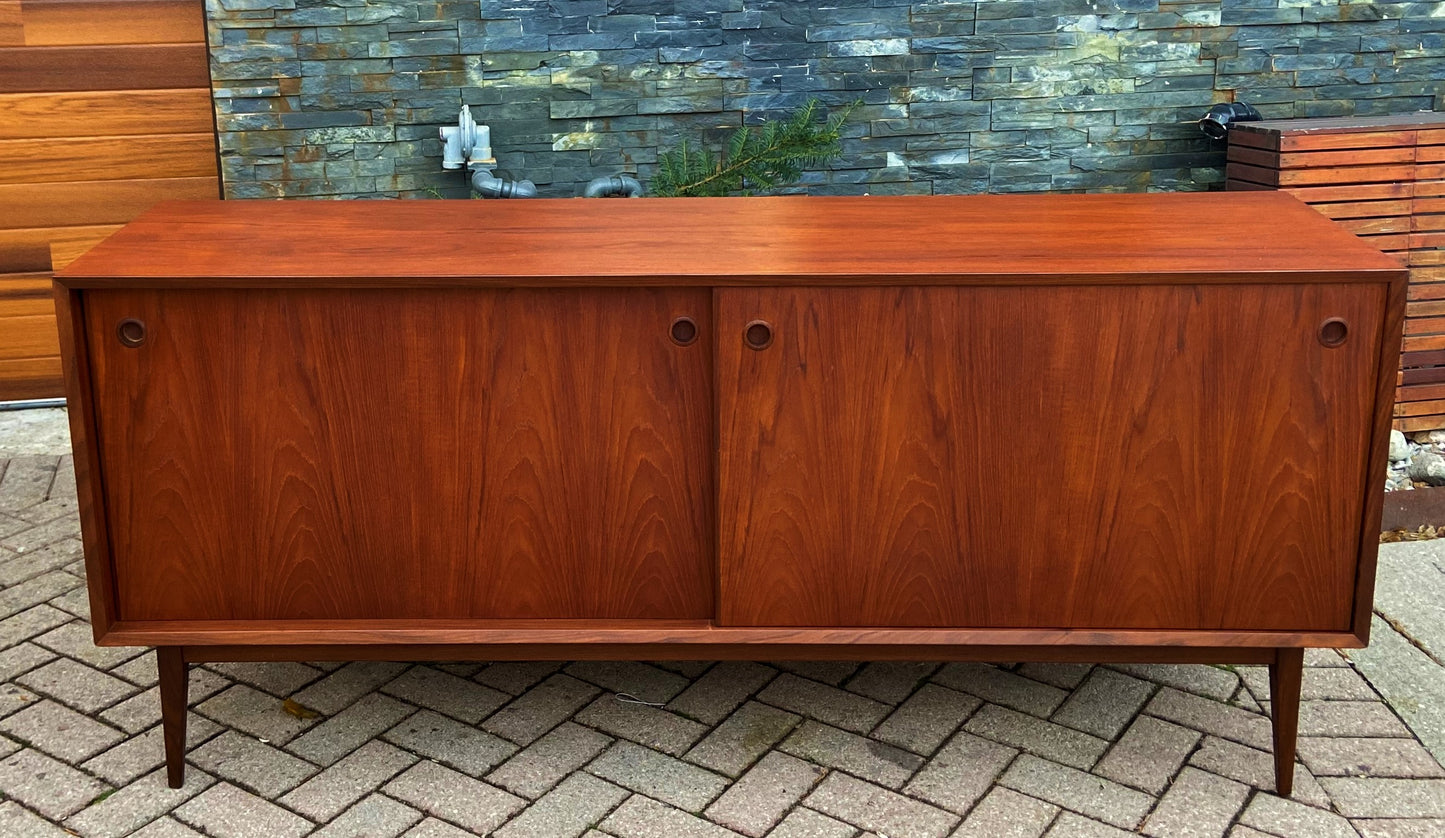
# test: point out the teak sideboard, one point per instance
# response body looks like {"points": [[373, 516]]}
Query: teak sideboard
{"points": [[1002, 428]]}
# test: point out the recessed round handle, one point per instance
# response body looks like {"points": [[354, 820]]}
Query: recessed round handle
{"points": [[132, 332], [684, 331], [758, 334], [1334, 332]]}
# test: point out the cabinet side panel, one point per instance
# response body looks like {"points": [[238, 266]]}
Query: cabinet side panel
{"points": [[84, 440], [1074, 457], [311, 454]]}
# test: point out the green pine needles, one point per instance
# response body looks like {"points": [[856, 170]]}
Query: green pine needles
{"points": [[770, 156]]}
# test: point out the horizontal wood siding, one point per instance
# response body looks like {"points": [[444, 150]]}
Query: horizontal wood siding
{"points": [[105, 109], [1383, 179]]}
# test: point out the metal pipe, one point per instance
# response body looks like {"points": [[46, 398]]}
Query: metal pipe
{"points": [[620, 186], [27, 404], [491, 186]]}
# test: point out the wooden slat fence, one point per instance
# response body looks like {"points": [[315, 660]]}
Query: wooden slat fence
{"points": [[105, 109]]}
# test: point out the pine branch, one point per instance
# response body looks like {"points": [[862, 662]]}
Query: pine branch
{"points": [[773, 156]]}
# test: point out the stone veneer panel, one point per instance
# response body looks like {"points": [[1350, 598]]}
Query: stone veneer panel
{"points": [[343, 98]]}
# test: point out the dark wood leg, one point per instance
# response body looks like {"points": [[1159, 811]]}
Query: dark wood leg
{"points": [[174, 683], [1285, 675]]}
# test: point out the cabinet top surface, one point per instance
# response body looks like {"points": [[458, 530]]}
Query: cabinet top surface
{"points": [[728, 241]]}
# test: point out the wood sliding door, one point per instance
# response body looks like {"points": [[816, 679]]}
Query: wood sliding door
{"points": [[408, 453], [1172, 457]]}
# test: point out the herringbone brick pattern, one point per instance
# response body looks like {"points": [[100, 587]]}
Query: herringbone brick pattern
{"points": [[785, 750]]}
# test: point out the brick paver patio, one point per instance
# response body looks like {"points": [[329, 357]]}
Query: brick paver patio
{"points": [[787, 750]]}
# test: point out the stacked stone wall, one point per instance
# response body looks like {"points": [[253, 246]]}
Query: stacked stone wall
{"points": [[343, 98]]}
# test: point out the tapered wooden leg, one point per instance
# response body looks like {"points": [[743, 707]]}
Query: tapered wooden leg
{"points": [[174, 689], [1285, 675]]}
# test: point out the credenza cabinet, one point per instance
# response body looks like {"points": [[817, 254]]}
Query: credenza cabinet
{"points": [[1134, 427]]}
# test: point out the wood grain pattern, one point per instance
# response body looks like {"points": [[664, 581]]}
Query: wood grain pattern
{"points": [[1307, 141], [174, 686], [31, 378], [1390, 242], [1377, 226], [1355, 192], [660, 635], [723, 241], [64, 252], [107, 113], [1422, 325], [1321, 159], [29, 336], [1371, 483], [1421, 407], [734, 651], [113, 158], [1422, 343], [1286, 675], [28, 206], [89, 22], [1420, 393], [81, 410], [104, 109], [1321, 177], [27, 250], [863, 477], [417, 454], [29, 354], [114, 67], [12, 29], [1364, 209]]}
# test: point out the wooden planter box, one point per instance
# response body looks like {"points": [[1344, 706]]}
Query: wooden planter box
{"points": [[1382, 178]]}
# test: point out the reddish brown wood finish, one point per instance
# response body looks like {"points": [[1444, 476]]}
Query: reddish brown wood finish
{"points": [[425, 454], [1373, 479], [1286, 673], [983, 239], [660, 634], [343, 436], [174, 688], [85, 443], [866, 474], [737, 651], [112, 67]]}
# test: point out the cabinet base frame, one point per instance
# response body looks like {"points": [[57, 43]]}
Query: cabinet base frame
{"points": [[1286, 670]]}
